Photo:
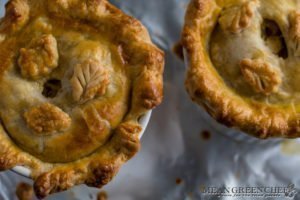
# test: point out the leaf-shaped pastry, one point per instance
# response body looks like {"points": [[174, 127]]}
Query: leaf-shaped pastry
{"points": [[89, 79], [260, 75], [294, 20], [239, 18], [40, 58], [46, 119]]}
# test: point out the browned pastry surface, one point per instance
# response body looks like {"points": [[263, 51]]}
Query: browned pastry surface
{"points": [[102, 196], [75, 77], [24, 191], [244, 63]]}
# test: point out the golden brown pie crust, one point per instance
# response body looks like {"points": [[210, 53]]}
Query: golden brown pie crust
{"points": [[206, 85], [111, 74]]}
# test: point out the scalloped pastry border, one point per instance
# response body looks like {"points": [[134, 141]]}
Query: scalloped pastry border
{"points": [[100, 167], [207, 88]]}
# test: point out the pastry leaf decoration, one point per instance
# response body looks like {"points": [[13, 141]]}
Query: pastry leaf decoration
{"points": [[261, 76], [90, 79]]}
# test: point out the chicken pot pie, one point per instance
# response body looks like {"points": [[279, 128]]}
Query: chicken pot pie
{"points": [[244, 63], [76, 76]]}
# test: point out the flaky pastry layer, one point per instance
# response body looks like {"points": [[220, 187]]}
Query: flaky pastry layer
{"points": [[75, 77], [243, 56]]}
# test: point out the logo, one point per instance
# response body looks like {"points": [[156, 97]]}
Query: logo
{"points": [[288, 192], [291, 191]]}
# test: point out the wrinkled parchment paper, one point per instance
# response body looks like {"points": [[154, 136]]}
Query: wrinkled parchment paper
{"points": [[183, 149]]}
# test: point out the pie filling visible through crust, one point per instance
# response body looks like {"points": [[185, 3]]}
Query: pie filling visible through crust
{"points": [[75, 77], [245, 63]]}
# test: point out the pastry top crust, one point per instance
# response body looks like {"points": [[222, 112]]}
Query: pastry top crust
{"points": [[76, 76], [243, 63]]}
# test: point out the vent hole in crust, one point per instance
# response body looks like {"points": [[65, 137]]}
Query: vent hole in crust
{"points": [[274, 39], [51, 88]]}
